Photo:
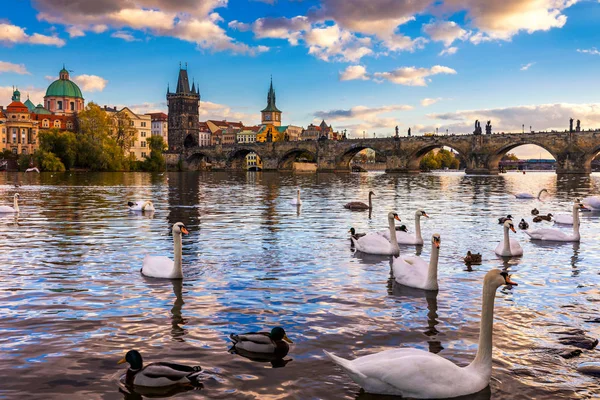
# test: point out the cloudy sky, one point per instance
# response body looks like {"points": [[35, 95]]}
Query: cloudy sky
{"points": [[363, 65]]}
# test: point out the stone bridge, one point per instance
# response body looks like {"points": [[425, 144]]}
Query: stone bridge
{"points": [[481, 154]]}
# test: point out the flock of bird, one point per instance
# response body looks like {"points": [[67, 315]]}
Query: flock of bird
{"points": [[404, 371]]}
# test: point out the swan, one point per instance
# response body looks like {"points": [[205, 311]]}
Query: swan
{"points": [[592, 202], [375, 243], [555, 235], [407, 238], [162, 266], [160, 374], [509, 247], [297, 201], [145, 205], [415, 272], [9, 209], [34, 169], [359, 205], [530, 196], [417, 373]]}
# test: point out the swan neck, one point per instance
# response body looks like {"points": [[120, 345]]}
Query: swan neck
{"points": [[418, 227], [506, 249], [576, 220], [483, 359], [370, 202], [178, 272], [393, 240], [432, 273], [16, 204], [298, 196]]}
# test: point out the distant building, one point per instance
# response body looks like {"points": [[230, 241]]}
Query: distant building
{"points": [[63, 96], [271, 115], [18, 131], [184, 121], [204, 135], [229, 135], [253, 162], [312, 132], [160, 125], [142, 123], [294, 133], [247, 135]]}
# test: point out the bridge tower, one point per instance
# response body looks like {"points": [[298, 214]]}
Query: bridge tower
{"points": [[271, 115], [184, 120]]}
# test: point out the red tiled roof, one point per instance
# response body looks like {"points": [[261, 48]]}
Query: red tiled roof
{"points": [[160, 116], [17, 107]]}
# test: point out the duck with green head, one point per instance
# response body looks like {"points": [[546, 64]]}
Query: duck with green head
{"points": [[274, 342], [159, 374]]}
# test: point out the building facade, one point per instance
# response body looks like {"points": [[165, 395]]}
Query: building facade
{"points": [[247, 135], [63, 96], [160, 126], [271, 115], [183, 119], [18, 131], [204, 135], [142, 123]]}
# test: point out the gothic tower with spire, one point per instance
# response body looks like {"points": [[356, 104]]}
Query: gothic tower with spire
{"points": [[271, 115], [184, 119]]}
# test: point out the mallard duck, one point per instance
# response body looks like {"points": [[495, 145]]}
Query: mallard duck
{"points": [[275, 342], [540, 218], [502, 220], [523, 224], [535, 211], [471, 258], [160, 374], [355, 235], [401, 228]]}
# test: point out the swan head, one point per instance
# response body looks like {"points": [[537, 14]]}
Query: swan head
{"points": [[421, 213], [179, 228], [371, 193], [278, 333], [17, 196], [133, 358], [436, 240], [508, 224], [579, 205], [497, 278], [393, 215]]}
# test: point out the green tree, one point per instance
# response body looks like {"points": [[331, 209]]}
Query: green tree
{"points": [[62, 143], [430, 161], [48, 161], [123, 131], [510, 157], [156, 161], [24, 161]]}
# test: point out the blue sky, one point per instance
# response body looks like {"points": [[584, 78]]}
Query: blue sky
{"points": [[363, 65]]}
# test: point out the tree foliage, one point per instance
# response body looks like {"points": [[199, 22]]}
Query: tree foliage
{"points": [[63, 144], [48, 161], [510, 157], [156, 161], [440, 160]]}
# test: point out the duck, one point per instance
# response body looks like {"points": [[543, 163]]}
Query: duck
{"points": [[403, 237], [401, 228], [274, 342], [296, 201], [523, 224], [354, 234], [359, 205], [413, 271], [502, 220], [530, 196], [159, 374], [375, 243], [415, 373], [472, 258], [14, 208], [555, 235], [535, 211], [145, 205], [509, 247], [162, 266], [540, 218]]}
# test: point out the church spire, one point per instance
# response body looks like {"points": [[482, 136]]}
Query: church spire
{"points": [[183, 84], [271, 107]]}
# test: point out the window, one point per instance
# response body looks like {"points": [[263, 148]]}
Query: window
{"points": [[72, 106], [15, 150], [14, 135], [24, 150], [143, 124], [22, 117], [69, 125], [14, 116], [143, 133], [143, 154], [46, 123], [57, 123], [143, 143], [131, 123], [59, 105]]}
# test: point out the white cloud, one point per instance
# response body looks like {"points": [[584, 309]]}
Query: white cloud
{"points": [[126, 36], [445, 31], [363, 112], [74, 32], [362, 118], [14, 68], [449, 51], [332, 43], [36, 95], [90, 83], [353, 72], [13, 34], [427, 101], [290, 29], [527, 66], [210, 110], [592, 51], [412, 76]]}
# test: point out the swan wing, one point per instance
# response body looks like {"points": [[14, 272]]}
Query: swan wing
{"points": [[550, 235], [410, 271], [592, 202], [401, 237], [6, 209], [373, 243], [515, 247], [410, 373], [524, 196], [356, 205], [564, 219], [157, 266]]}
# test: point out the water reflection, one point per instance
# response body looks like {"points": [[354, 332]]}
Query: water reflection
{"points": [[484, 394]]}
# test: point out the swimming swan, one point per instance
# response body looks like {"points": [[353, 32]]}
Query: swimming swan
{"points": [[509, 247], [530, 196], [162, 266], [407, 238], [9, 209], [375, 243], [145, 205], [556, 235], [420, 374], [297, 201], [359, 205], [415, 272]]}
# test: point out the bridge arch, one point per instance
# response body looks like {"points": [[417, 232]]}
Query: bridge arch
{"points": [[198, 162], [494, 159], [589, 157], [344, 159], [236, 160], [414, 160], [286, 162]]}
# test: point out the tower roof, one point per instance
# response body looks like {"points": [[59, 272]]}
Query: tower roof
{"points": [[183, 83], [271, 107], [64, 87]]}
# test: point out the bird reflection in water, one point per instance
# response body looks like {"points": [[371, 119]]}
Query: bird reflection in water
{"points": [[177, 332], [141, 392], [485, 394], [397, 290], [277, 361]]}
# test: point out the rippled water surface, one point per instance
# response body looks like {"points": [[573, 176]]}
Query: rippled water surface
{"points": [[72, 300]]}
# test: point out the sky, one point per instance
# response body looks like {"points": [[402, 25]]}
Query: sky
{"points": [[362, 65]]}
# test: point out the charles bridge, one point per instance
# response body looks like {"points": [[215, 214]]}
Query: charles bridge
{"points": [[481, 154]]}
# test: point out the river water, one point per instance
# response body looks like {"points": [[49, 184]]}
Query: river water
{"points": [[72, 300]]}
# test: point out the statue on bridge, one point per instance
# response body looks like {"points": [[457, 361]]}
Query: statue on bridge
{"points": [[408, 131], [578, 127], [488, 128], [571, 125], [397, 134], [477, 130]]}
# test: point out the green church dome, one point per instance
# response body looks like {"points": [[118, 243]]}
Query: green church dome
{"points": [[64, 88]]}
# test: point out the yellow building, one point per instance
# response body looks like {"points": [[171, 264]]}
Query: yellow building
{"points": [[18, 131], [143, 130]]}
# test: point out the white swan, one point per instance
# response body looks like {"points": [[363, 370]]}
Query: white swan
{"points": [[162, 266], [563, 219], [415, 272], [509, 247], [407, 238], [375, 243], [420, 374], [297, 201], [145, 205], [556, 235], [530, 196], [592, 202], [34, 169], [9, 209]]}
